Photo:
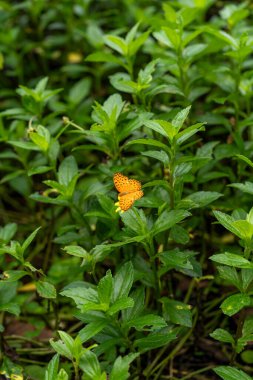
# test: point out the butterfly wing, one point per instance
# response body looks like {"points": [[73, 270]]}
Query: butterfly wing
{"points": [[127, 200], [125, 185]]}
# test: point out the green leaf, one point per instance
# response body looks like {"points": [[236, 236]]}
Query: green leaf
{"points": [[158, 155], [199, 199], [230, 373], [235, 303], [147, 322], [247, 334], [90, 366], [116, 43], [245, 228], [231, 259], [7, 232], [135, 220], [39, 170], [61, 349], [155, 339], [62, 375], [177, 312], [106, 203], [247, 278], [180, 117], [105, 288], [52, 368], [176, 259], [13, 275], [246, 187], [155, 126], [223, 36], [173, 37], [223, 336], [188, 132], [121, 303], [245, 159], [11, 307], [123, 281], [228, 222], [28, 240], [104, 57], [149, 142], [39, 140], [92, 329], [81, 296], [24, 145], [67, 339], [168, 219], [138, 295], [230, 274], [45, 289], [76, 250], [55, 201], [67, 170], [179, 234], [247, 356], [135, 45], [121, 367], [80, 90]]}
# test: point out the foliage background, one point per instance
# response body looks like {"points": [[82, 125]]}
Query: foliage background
{"points": [[162, 92]]}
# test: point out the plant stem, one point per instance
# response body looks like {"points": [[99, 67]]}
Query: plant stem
{"points": [[247, 251], [154, 266], [75, 364], [190, 375], [174, 352], [238, 333]]}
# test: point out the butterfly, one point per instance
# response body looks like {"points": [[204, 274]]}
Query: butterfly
{"points": [[129, 191]]}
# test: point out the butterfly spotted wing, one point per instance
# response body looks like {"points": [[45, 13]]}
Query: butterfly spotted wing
{"points": [[125, 185], [127, 200], [129, 190]]}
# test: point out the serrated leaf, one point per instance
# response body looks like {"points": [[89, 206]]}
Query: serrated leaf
{"points": [[231, 259], [228, 222], [121, 304], [91, 329], [155, 339], [147, 322], [177, 312], [235, 303], [222, 335], [168, 219], [52, 368], [230, 373], [90, 365], [68, 169], [121, 367], [123, 281], [149, 142], [45, 289], [180, 118], [105, 288]]}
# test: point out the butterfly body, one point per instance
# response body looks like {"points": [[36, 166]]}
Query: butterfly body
{"points": [[129, 191]]}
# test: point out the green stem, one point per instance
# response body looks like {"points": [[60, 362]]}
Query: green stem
{"points": [[237, 73], [192, 374], [238, 333], [154, 266], [174, 352], [75, 365], [171, 174], [247, 251]]}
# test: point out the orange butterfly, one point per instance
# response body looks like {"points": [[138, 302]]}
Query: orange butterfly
{"points": [[129, 191]]}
